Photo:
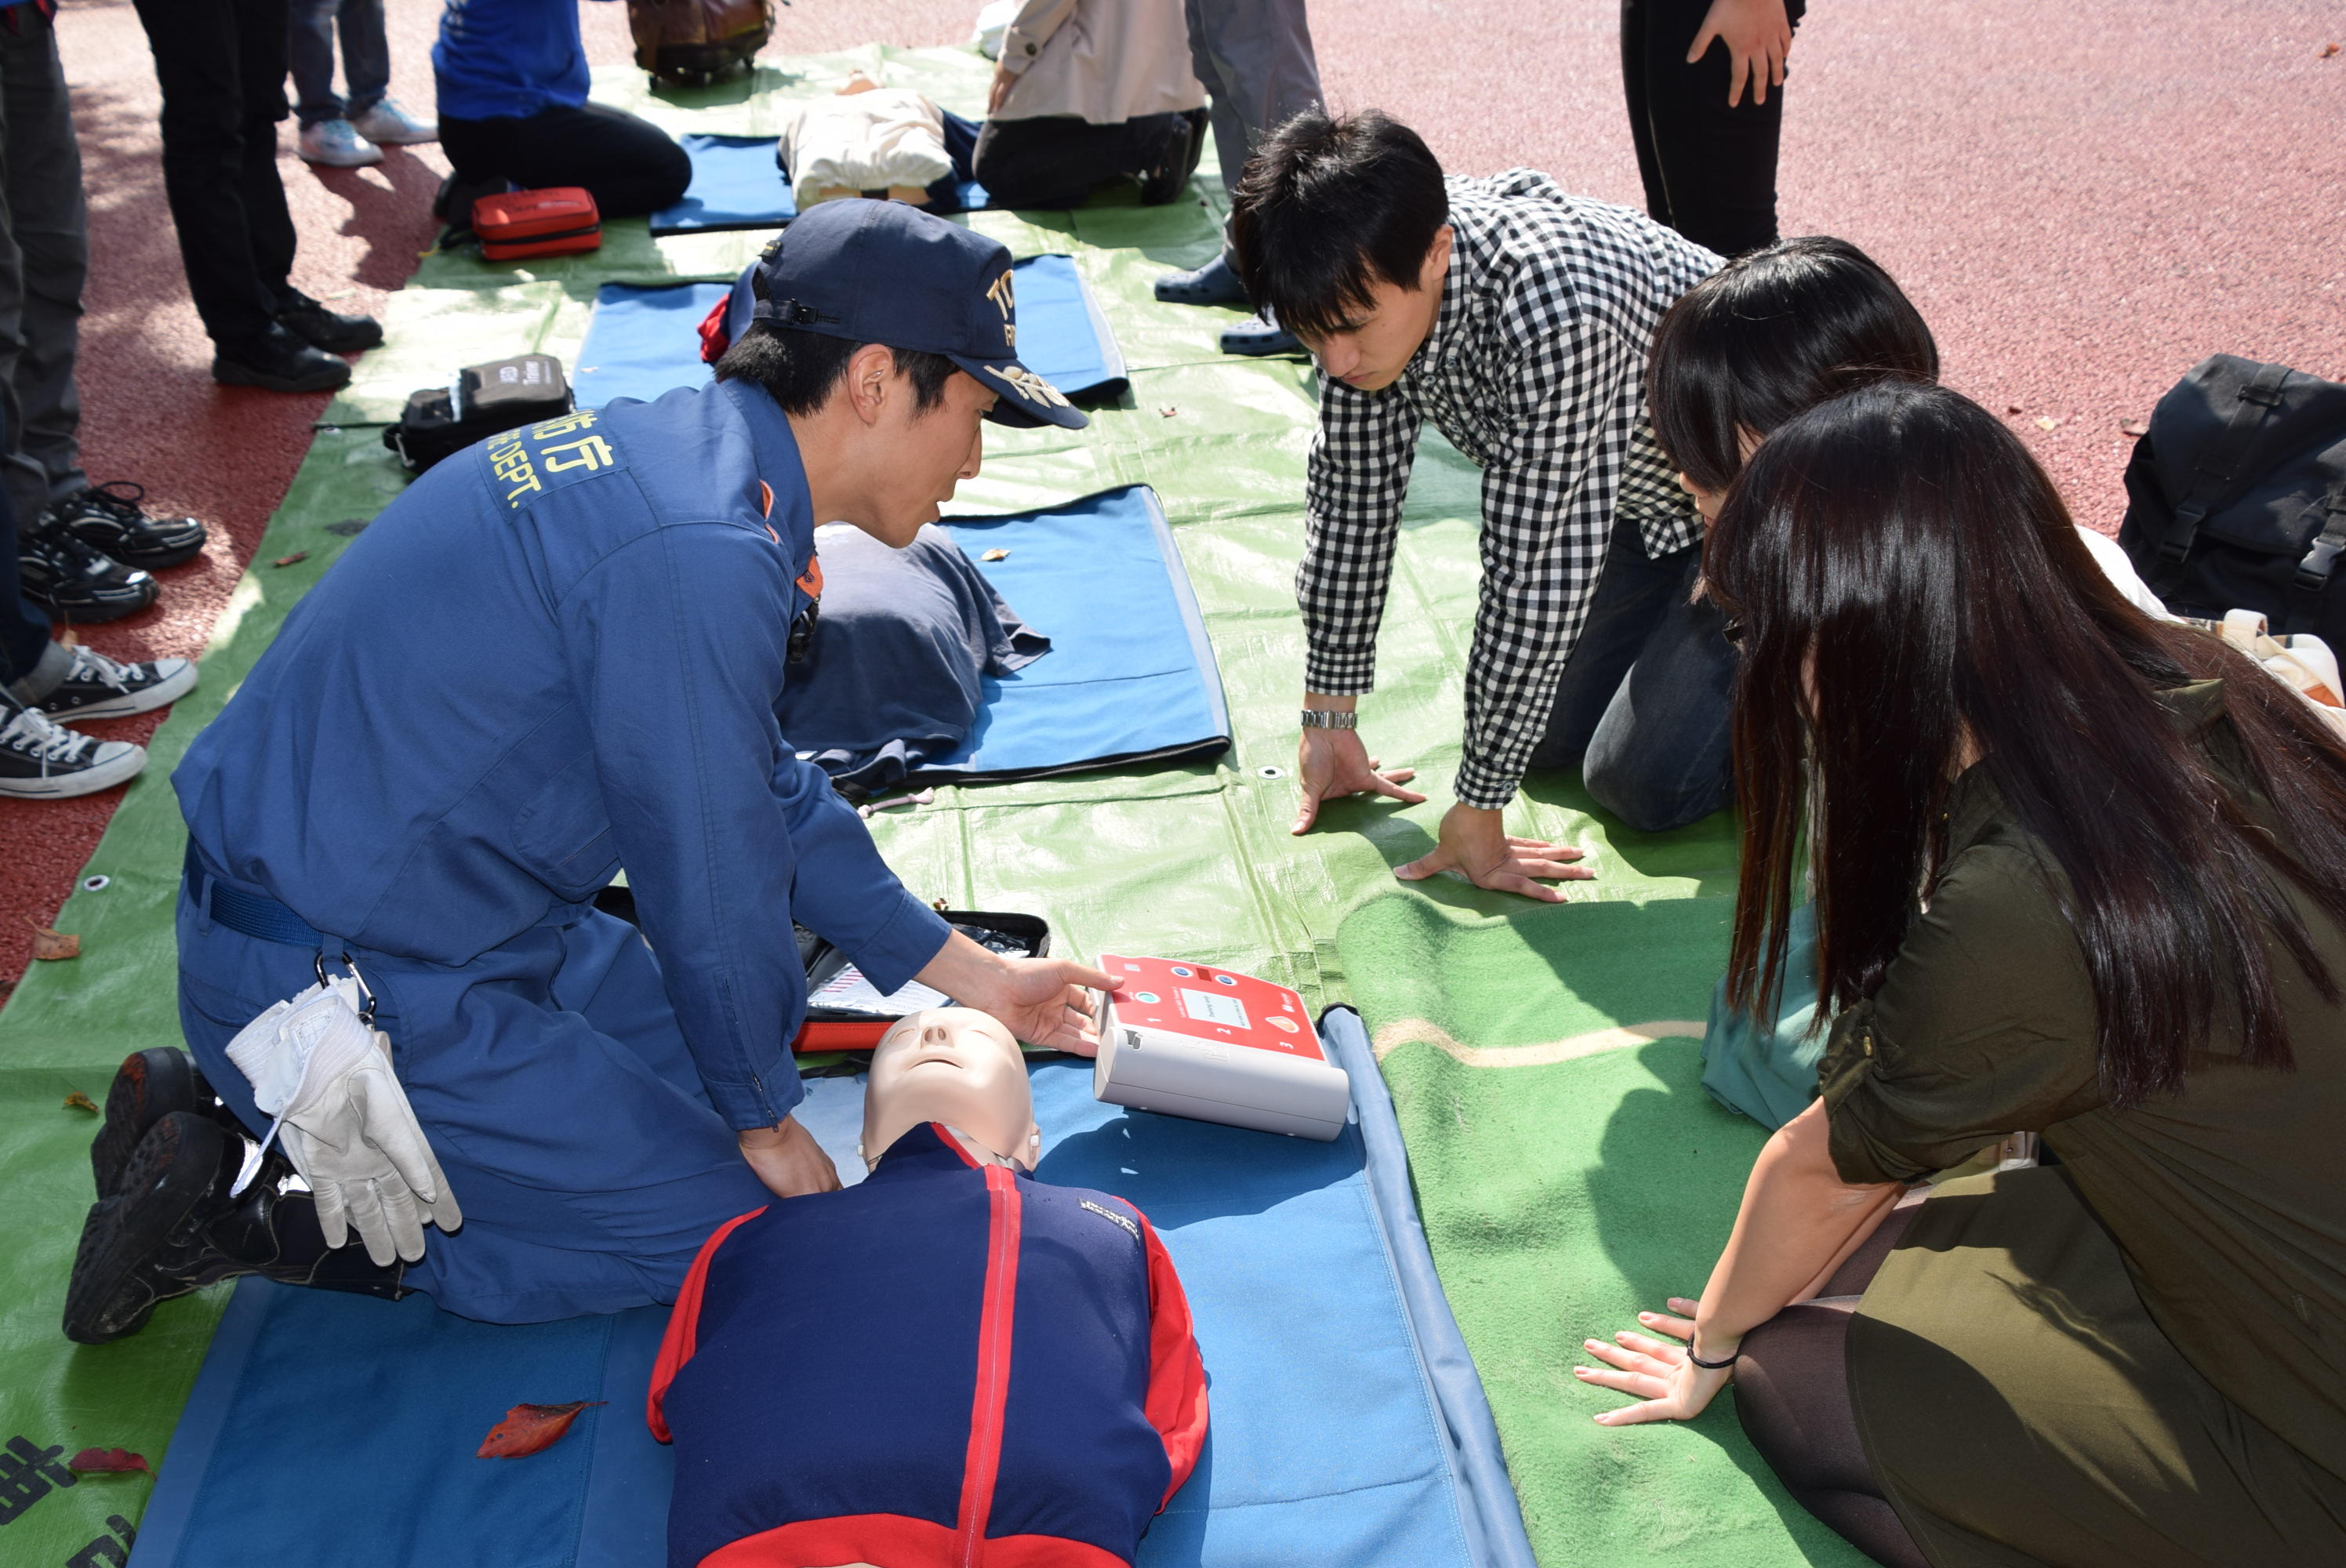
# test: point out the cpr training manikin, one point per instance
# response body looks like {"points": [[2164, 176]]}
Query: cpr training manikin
{"points": [[949, 1362]]}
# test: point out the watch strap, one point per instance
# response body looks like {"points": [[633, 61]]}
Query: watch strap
{"points": [[1330, 718]]}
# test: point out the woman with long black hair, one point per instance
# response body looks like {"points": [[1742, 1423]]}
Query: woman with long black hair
{"points": [[2077, 873]]}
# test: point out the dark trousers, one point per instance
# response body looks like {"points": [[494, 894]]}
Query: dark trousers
{"points": [[221, 65], [24, 629], [630, 167], [1645, 702], [1709, 170], [1058, 161], [43, 260], [366, 58]]}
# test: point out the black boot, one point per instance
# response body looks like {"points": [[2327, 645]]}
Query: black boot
{"points": [[148, 1086], [1169, 175], [278, 361], [331, 330], [173, 1226]]}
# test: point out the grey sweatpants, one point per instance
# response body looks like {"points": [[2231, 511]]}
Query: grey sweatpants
{"points": [[1255, 59], [43, 260]]}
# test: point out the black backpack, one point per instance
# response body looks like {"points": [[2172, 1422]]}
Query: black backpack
{"points": [[2235, 497]]}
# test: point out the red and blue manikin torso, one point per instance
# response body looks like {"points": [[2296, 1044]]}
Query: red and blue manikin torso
{"points": [[949, 1364]]}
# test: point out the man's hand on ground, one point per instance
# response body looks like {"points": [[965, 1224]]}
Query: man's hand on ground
{"points": [[1475, 844], [1042, 1001], [787, 1159], [1333, 763], [1759, 37]]}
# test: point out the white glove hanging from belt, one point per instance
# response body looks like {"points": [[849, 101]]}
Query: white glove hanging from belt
{"points": [[320, 1067]]}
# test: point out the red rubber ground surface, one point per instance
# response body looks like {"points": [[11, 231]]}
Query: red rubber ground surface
{"points": [[2084, 200]]}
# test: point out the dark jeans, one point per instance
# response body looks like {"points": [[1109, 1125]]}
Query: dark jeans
{"points": [[1709, 170], [630, 167], [1058, 161], [366, 58], [43, 260], [221, 65], [23, 626], [1644, 705]]}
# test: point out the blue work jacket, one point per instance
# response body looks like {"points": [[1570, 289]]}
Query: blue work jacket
{"points": [[555, 656]]}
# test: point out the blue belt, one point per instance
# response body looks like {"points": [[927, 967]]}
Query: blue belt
{"points": [[248, 914]]}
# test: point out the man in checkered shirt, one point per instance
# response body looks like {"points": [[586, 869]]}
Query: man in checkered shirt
{"points": [[1518, 318]]}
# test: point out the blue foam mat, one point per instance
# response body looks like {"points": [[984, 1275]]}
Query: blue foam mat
{"points": [[1348, 1426], [737, 184], [643, 341], [1130, 676]]}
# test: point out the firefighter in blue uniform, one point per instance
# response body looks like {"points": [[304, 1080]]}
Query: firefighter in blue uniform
{"points": [[555, 657]]}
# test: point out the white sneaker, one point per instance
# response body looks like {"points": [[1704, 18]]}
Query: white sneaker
{"points": [[388, 124], [42, 760], [338, 145]]}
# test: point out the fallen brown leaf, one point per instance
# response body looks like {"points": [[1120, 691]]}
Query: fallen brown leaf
{"points": [[2133, 427], [288, 560], [77, 1101], [996, 555], [532, 1428], [1166, 413], [2328, 50], [106, 1458], [2012, 408], [2043, 422], [50, 945]]}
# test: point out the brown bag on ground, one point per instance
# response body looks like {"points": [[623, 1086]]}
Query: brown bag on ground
{"points": [[689, 42]]}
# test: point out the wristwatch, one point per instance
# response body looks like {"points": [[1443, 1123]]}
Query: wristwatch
{"points": [[1330, 718]]}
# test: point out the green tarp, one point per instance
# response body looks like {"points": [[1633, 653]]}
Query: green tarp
{"points": [[1567, 1177]]}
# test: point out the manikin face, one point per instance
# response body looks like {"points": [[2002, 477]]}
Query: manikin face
{"points": [[930, 453], [954, 1066], [1371, 349]]}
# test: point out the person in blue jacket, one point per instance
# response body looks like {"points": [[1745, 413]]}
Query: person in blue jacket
{"points": [[556, 656]]}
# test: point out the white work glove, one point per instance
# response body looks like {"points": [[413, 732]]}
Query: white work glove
{"points": [[325, 1074]]}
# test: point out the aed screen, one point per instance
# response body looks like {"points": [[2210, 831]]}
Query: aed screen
{"points": [[1215, 1007]]}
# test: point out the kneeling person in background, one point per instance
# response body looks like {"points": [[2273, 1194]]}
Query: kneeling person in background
{"points": [[1090, 93]]}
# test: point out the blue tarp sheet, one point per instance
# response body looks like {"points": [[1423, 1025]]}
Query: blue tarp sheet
{"points": [[1348, 1427], [737, 184], [645, 340], [1131, 674]]}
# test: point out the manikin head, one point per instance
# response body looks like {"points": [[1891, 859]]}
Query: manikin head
{"points": [[954, 1066], [1340, 229]]}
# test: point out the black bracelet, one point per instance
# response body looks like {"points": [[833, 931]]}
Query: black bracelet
{"points": [[1711, 1365]]}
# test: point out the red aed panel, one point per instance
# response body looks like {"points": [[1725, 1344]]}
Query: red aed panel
{"points": [[1197, 1001]]}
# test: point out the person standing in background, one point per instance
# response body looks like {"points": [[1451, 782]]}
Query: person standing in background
{"points": [[221, 65], [347, 132], [1255, 58], [1707, 117]]}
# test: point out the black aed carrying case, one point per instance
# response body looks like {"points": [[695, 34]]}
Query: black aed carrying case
{"points": [[858, 1027], [486, 400]]}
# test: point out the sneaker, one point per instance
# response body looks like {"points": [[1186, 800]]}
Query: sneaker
{"points": [[75, 583], [109, 519], [278, 361], [40, 760], [98, 687], [1215, 283], [331, 330], [389, 125], [336, 144], [1260, 335]]}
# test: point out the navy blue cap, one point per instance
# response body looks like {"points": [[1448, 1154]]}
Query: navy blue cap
{"points": [[883, 273]]}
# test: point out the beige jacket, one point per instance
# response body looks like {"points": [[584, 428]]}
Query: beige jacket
{"points": [[1106, 61]]}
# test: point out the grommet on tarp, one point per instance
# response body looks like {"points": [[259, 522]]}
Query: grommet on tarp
{"points": [[96, 883], [1268, 771]]}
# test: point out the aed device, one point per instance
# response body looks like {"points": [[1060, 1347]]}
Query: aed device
{"points": [[1192, 1040]]}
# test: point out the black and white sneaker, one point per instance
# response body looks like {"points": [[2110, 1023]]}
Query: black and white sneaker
{"points": [[41, 759], [75, 583], [96, 687], [109, 519]]}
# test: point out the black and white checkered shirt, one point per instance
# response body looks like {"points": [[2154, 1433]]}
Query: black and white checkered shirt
{"points": [[1535, 370]]}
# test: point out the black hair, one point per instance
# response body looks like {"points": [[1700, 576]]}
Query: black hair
{"points": [[800, 370], [1329, 206], [1769, 336], [1905, 576]]}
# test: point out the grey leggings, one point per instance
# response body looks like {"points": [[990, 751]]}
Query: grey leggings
{"points": [[1792, 1390]]}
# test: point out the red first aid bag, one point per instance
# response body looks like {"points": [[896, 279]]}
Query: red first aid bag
{"points": [[557, 222]]}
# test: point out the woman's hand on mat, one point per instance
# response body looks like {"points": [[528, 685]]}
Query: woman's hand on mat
{"points": [[1759, 37], [1656, 1372], [787, 1159], [1333, 763], [1001, 88], [1476, 844], [1043, 1001]]}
